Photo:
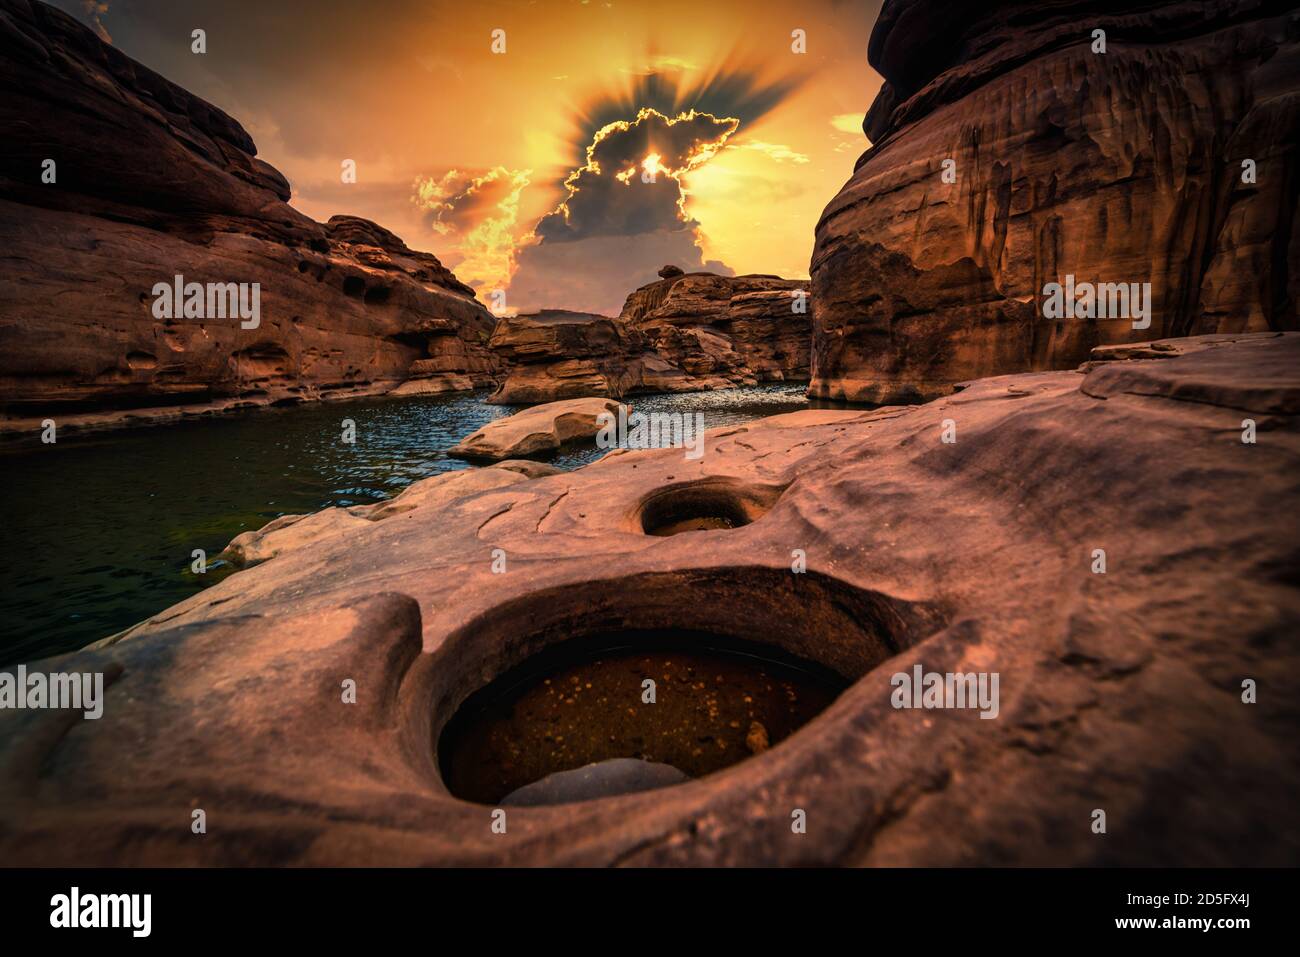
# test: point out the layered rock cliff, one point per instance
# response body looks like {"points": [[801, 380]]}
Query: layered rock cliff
{"points": [[713, 331], [114, 180], [682, 333], [556, 354], [1009, 152]]}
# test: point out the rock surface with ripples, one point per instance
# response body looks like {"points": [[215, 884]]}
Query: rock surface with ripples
{"points": [[1120, 691]]}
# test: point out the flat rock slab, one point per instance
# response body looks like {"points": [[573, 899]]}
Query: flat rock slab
{"points": [[876, 547], [1249, 377]]}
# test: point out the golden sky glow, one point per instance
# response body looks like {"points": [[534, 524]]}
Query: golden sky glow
{"points": [[461, 151]]}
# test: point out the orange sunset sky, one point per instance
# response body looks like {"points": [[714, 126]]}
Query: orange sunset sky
{"points": [[466, 153]]}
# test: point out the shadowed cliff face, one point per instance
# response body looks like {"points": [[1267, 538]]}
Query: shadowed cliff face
{"points": [[148, 182], [1123, 166]]}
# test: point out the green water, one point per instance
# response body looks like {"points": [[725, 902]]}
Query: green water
{"points": [[99, 529]]}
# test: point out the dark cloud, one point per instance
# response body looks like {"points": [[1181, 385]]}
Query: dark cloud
{"points": [[609, 195], [734, 92], [615, 229]]}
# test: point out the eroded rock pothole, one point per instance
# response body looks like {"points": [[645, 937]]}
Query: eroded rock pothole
{"points": [[682, 702], [646, 668], [704, 506]]}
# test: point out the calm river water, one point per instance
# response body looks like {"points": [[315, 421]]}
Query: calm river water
{"points": [[99, 528]]}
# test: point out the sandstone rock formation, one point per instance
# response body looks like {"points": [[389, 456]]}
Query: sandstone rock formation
{"points": [[682, 333], [708, 331], [1121, 167], [289, 533], [537, 431], [1120, 690], [555, 354], [149, 182]]}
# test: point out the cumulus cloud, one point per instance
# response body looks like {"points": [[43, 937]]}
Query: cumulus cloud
{"points": [[623, 215], [623, 211], [631, 182], [482, 213]]}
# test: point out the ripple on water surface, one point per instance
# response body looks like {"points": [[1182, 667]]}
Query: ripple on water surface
{"points": [[100, 528]]}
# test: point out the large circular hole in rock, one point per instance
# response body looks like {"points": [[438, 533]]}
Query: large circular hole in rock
{"points": [[700, 507], [827, 628], [574, 721]]}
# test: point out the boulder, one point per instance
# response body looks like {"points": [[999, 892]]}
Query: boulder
{"points": [[1007, 155], [538, 431]]}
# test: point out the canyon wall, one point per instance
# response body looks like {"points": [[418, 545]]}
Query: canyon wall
{"points": [[1009, 152], [685, 332], [711, 331], [114, 179], [555, 354]]}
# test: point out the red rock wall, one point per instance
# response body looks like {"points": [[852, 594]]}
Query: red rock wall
{"points": [[152, 182], [711, 331], [554, 354], [1122, 166]]}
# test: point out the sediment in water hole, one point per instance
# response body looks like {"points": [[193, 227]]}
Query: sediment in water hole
{"points": [[696, 702]]}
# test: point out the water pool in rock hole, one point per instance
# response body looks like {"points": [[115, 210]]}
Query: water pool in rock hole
{"points": [[717, 701], [99, 527]]}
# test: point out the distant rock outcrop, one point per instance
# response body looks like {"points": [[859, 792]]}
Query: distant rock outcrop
{"points": [[1010, 152], [555, 354], [709, 331], [682, 333], [114, 180]]}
